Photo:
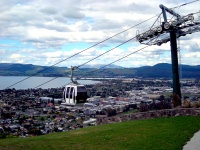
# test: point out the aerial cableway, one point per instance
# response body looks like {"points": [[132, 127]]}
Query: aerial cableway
{"points": [[75, 93], [166, 31], [151, 41]]}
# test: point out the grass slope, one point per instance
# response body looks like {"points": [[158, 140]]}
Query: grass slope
{"points": [[152, 134]]}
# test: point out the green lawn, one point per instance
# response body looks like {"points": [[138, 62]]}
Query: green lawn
{"points": [[152, 134]]}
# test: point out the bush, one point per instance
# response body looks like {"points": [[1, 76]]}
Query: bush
{"points": [[186, 103], [196, 105], [2, 135]]}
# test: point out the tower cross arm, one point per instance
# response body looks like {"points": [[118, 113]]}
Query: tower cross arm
{"points": [[172, 12]]}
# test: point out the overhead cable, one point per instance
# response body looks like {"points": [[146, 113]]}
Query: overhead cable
{"points": [[120, 59], [81, 52], [107, 52], [92, 59], [116, 60], [96, 45], [185, 4]]}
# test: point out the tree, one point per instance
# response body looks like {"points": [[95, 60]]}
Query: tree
{"points": [[162, 98]]}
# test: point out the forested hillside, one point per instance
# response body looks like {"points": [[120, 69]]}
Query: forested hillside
{"points": [[157, 71]]}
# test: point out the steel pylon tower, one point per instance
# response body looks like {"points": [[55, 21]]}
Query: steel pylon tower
{"points": [[170, 31]]}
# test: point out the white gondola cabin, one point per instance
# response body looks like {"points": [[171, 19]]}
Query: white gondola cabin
{"points": [[74, 93]]}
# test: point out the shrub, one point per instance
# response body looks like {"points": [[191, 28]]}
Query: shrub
{"points": [[2, 135], [196, 105], [186, 103]]}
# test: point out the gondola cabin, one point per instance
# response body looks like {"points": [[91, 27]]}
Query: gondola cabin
{"points": [[74, 94]]}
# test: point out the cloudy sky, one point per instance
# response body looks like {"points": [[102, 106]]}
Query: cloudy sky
{"points": [[44, 32]]}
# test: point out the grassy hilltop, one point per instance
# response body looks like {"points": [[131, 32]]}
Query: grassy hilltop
{"points": [[152, 134]]}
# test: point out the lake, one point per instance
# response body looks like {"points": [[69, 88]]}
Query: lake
{"points": [[33, 82]]}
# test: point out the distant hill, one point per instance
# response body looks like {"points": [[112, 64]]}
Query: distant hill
{"points": [[100, 65], [11, 69], [162, 70]]}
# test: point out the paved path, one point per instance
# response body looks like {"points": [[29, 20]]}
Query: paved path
{"points": [[194, 143]]}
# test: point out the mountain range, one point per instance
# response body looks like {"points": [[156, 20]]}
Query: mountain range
{"points": [[162, 70], [100, 66]]}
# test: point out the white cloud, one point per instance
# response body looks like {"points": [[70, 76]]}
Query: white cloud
{"points": [[15, 56], [43, 27]]}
